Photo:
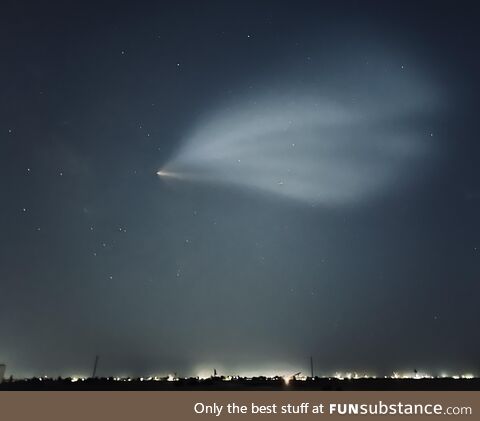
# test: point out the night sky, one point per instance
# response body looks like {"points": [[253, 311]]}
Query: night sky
{"points": [[318, 187]]}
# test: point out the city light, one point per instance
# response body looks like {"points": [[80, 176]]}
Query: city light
{"points": [[287, 379]]}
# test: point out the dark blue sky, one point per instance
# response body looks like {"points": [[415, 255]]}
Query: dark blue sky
{"points": [[99, 255]]}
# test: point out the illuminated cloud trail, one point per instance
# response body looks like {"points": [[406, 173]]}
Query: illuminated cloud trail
{"points": [[308, 148]]}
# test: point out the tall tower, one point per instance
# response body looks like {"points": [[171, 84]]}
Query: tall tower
{"points": [[3, 367], [94, 373]]}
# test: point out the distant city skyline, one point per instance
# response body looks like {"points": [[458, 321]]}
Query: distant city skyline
{"points": [[239, 185]]}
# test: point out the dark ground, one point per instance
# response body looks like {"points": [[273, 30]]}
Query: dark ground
{"points": [[258, 383]]}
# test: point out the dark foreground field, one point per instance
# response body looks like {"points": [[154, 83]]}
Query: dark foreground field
{"points": [[256, 383]]}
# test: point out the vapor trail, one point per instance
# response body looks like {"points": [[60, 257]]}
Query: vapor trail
{"points": [[309, 148]]}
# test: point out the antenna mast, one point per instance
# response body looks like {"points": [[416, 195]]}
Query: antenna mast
{"points": [[95, 367]]}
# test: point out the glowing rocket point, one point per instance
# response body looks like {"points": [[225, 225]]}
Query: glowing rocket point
{"points": [[168, 174]]}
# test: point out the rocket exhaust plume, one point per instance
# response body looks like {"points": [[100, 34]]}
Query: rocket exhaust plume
{"points": [[316, 145], [168, 174]]}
